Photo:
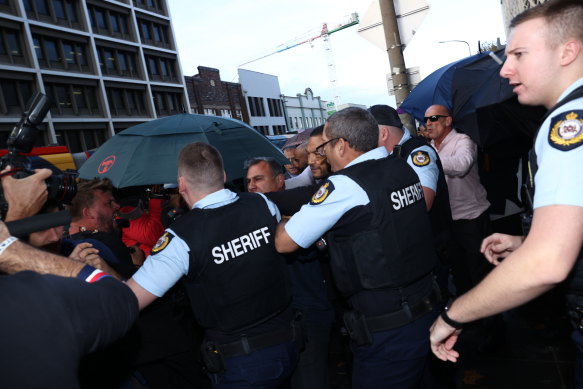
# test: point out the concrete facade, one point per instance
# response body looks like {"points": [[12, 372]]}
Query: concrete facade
{"points": [[304, 111], [107, 65], [264, 102]]}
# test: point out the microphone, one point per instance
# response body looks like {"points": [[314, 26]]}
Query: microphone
{"points": [[23, 227]]}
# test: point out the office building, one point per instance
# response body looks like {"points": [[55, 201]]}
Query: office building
{"points": [[107, 65]]}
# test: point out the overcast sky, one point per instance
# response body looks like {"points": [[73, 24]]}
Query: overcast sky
{"points": [[224, 34]]}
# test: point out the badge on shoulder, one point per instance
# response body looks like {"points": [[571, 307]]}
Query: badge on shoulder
{"points": [[420, 158], [566, 131], [162, 242], [322, 193]]}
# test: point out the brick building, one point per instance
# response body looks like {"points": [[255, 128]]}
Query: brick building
{"points": [[209, 95]]}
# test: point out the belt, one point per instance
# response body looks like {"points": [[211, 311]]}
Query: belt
{"points": [[404, 316], [247, 345]]}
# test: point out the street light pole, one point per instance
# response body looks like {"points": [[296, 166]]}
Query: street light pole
{"points": [[459, 41]]}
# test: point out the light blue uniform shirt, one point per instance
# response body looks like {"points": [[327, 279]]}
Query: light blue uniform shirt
{"points": [[559, 179], [427, 173], [163, 269], [335, 197]]}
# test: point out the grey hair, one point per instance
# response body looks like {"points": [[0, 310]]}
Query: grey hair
{"points": [[355, 125]]}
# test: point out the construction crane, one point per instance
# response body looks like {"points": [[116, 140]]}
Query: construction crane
{"points": [[324, 33]]}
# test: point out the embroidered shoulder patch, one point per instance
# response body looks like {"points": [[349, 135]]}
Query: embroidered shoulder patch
{"points": [[566, 131], [322, 193], [420, 158], [162, 242]]}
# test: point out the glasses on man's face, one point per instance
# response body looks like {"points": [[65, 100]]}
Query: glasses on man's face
{"points": [[434, 118], [321, 150]]}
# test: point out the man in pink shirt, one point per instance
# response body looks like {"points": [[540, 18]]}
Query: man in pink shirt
{"points": [[467, 197]]}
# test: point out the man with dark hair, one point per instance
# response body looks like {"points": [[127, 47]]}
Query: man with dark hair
{"points": [[373, 215], [236, 281], [307, 281], [424, 160], [545, 65], [264, 174]]}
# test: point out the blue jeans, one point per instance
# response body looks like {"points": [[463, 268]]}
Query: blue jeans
{"points": [[396, 359], [266, 368]]}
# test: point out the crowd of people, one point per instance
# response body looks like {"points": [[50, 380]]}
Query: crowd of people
{"points": [[369, 228]]}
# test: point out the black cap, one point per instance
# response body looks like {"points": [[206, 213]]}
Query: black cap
{"points": [[385, 115]]}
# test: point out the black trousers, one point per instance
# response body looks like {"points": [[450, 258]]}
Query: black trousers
{"points": [[468, 265]]}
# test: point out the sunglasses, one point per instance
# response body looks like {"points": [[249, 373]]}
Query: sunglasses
{"points": [[434, 118]]}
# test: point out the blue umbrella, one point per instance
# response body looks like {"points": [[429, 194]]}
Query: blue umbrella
{"points": [[436, 88], [481, 102], [147, 154]]}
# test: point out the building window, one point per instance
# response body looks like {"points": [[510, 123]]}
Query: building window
{"points": [[11, 46], [262, 129], [161, 68], [14, 93], [108, 22], [156, 6], [226, 113], [56, 53], [275, 109], [256, 106], [278, 130], [116, 62], [61, 12], [73, 99], [155, 34], [238, 114], [89, 137], [167, 103], [7, 7], [126, 101]]}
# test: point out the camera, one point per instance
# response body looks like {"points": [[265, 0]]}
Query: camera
{"points": [[60, 187]]}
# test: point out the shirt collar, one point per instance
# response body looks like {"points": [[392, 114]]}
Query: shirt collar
{"points": [[378, 153], [216, 199], [571, 88], [406, 136]]}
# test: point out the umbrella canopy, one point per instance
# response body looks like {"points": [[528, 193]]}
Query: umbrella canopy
{"points": [[481, 102], [436, 88], [298, 138], [147, 154]]}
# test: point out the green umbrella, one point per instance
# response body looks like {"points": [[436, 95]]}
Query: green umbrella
{"points": [[147, 154]]}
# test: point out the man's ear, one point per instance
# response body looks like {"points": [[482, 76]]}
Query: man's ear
{"points": [[570, 51], [87, 213], [224, 177], [181, 185], [280, 179], [384, 134], [449, 121]]}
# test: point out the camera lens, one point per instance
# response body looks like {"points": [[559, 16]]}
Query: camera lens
{"points": [[62, 187]]}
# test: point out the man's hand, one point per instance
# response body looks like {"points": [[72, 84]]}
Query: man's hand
{"points": [[25, 196], [137, 254], [442, 338], [497, 246], [85, 252]]}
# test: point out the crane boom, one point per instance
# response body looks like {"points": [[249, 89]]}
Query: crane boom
{"points": [[352, 21]]}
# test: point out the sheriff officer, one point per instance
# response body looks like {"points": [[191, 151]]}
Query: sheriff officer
{"points": [[374, 215], [236, 281]]}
